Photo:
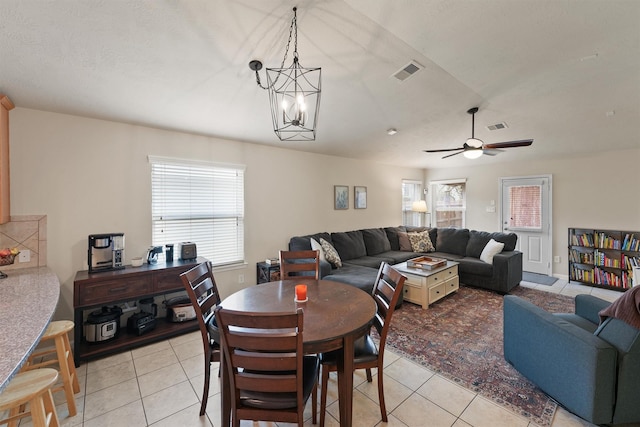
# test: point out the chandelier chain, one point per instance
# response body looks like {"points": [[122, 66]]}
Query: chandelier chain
{"points": [[294, 24]]}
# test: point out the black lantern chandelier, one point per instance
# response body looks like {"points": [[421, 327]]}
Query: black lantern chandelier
{"points": [[294, 94]]}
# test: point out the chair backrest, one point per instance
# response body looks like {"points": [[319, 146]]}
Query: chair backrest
{"points": [[203, 293], [297, 263], [264, 363], [386, 292]]}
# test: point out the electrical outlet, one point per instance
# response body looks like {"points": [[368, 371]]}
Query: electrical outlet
{"points": [[556, 259], [240, 278], [25, 255]]}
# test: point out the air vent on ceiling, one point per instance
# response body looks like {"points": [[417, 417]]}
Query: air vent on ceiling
{"points": [[407, 71], [498, 126]]}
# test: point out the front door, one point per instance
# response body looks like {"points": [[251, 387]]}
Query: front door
{"points": [[526, 211]]}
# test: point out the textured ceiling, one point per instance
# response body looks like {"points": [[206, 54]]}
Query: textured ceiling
{"points": [[552, 70]]}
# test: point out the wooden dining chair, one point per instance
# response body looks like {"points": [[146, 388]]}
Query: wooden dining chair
{"points": [[203, 293], [294, 264], [386, 291], [270, 377]]}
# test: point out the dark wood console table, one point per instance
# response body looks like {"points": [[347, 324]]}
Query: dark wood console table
{"points": [[94, 290]]}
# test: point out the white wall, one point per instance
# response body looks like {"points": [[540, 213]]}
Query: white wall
{"points": [[596, 191], [92, 176]]}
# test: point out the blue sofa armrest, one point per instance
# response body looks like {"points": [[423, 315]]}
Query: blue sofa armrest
{"points": [[588, 307], [568, 363]]}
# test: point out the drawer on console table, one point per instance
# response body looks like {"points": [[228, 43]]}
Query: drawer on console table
{"points": [[107, 291], [443, 275]]}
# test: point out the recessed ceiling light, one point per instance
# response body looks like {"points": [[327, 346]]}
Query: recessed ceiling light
{"points": [[392, 131], [610, 113]]}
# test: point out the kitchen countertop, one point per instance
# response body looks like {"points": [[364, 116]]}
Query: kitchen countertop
{"points": [[28, 299]]}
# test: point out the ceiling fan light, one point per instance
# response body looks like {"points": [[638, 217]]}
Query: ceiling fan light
{"points": [[473, 154], [474, 143]]}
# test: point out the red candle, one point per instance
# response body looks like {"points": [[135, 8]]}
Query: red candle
{"points": [[301, 292]]}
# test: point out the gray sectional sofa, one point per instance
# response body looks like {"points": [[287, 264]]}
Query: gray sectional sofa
{"points": [[362, 252]]}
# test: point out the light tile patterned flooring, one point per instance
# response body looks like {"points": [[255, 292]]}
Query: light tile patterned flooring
{"points": [[160, 385]]}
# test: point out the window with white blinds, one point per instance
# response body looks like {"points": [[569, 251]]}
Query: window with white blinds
{"points": [[199, 202]]}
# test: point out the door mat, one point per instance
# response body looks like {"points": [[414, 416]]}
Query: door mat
{"points": [[541, 279]]}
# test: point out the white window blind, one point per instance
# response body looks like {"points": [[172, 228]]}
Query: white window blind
{"points": [[201, 203], [411, 192]]}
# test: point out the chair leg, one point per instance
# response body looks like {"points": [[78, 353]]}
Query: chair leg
{"points": [[323, 394], [383, 407], [207, 378], [314, 403], [369, 377]]}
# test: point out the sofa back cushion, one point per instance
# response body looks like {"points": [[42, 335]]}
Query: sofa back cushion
{"points": [[350, 244], [453, 241], [392, 235], [303, 243], [376, 241], [479, 239]]}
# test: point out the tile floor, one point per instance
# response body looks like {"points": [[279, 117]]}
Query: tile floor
{"points": [[160, 385]]}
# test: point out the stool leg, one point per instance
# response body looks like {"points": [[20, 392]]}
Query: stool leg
{"points": [[71, 364], [66, 376], [50, 408], [38, 413], [12, 413]]}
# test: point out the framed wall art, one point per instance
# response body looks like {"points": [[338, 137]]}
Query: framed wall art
{"points": [[359, 197], [341, 196]]}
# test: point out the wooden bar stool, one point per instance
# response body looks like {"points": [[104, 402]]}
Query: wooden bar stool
{"points": [[59, 332], [34, 388]]}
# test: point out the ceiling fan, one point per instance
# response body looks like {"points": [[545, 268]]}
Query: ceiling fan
{"points": [[474, 148]]}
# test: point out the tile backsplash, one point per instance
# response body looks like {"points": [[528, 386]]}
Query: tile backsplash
{"points": [[25, 232]]}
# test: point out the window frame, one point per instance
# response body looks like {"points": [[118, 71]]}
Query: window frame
{"points": [[224, 216], [437, 207], [409, 217]]}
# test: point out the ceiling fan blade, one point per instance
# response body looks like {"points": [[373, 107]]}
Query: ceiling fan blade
{"points": [[491, 151], [454, 154], [444, 149], [510, 144]]}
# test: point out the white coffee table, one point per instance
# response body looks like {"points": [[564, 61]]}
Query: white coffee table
{"points": [[424, 287]]}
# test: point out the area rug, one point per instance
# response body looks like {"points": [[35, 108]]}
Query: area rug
{"points": [[541, 279], [460, 338]]}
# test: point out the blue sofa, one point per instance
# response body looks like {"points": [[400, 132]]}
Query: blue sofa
{"points": [[362, 252], [591, 369]]}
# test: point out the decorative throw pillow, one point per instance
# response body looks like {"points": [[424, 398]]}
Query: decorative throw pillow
{"points": [[330, 253], [315, 246], [421, 242], [403, 241], [490, 250]]}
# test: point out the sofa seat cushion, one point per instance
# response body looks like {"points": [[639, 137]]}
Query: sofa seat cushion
{"points": [[469, 265], [375, 241], [452, 240], [400, 256], [445, 255], [370, 261], [350, 244], [355, 275], [479, 239], [578, 321]]}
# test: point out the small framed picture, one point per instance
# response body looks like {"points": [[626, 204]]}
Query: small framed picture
{"points": [[359, 197], [341, 196]]}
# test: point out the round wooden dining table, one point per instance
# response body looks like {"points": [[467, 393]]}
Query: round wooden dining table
{"points": [[335, 315]]}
